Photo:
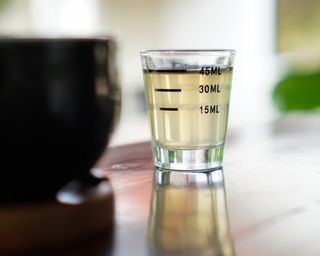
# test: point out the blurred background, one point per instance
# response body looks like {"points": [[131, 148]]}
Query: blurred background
{"points": [[277, 44]]}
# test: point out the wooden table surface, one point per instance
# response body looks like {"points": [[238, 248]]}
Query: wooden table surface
{"points": [[267, 204]]}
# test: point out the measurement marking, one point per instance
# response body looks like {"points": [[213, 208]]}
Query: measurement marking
{"points": [[167, 90], [167, 71], [169, 109]]}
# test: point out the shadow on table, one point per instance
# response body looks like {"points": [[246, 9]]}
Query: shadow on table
{"points": [[188, 214]]}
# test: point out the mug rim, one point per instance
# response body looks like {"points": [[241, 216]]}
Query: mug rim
{"points": [[47, 39]]}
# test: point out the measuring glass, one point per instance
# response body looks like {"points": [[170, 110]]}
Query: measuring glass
{"points": [[187, 94]]}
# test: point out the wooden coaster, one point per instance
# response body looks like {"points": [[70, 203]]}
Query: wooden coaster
{"points": [[81, 209]]}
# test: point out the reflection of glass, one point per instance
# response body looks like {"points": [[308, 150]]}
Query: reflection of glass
{"points": [[188, 214]]}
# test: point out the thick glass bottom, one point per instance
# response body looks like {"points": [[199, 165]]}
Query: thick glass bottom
{"points": [[199, 159]]}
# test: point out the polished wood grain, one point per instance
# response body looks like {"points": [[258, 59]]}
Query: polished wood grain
{"points": [[272, 184], [130, 169]]}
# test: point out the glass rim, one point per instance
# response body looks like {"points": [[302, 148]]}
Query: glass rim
{"points": [[146, 51]]}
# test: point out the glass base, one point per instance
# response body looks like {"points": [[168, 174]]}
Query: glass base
{"points": [[200, 159]]}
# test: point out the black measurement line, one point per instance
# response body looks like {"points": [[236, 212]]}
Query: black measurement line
{"points": [[167, 90], [169, 109], [166, 71]]}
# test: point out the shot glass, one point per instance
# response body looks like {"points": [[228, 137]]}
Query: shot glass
{"points": [[187, 96]]}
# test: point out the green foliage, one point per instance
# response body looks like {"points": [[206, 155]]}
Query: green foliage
{"points": [[298, 91]]}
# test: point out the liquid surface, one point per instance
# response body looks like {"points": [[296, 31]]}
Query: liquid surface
{"points": [[188, 109]]}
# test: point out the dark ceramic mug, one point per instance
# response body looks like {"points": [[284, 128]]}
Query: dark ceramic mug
{"points": [[59, 99]]}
